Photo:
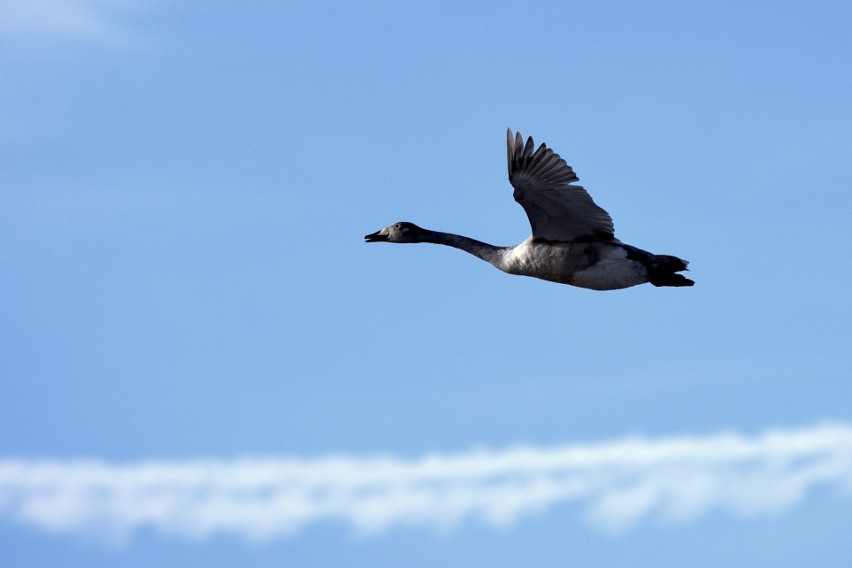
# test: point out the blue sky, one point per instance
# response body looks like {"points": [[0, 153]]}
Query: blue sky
{"points": [[187, 301]]}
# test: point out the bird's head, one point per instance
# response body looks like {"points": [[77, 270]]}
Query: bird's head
{"points": [[402, 232]]}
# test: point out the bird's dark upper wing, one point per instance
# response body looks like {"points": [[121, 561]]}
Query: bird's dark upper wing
{"points": [[557, 210]]}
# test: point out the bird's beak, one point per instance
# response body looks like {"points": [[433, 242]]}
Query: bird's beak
{"points": [[376, 237]]}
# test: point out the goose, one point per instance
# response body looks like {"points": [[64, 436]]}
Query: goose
{"points": [[572, 241]]}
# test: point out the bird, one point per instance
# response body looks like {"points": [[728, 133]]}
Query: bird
{"points": [[573, 239]]}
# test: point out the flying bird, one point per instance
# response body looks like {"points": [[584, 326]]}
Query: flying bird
{"points": [[573, 240]]}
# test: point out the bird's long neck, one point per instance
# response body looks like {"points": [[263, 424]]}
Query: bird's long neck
{"points": [[488, 253]]}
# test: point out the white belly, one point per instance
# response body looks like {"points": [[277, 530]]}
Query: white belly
{"points": [[611, 275]]}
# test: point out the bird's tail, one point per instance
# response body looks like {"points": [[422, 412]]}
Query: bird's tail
{"points": [[662, 268]]}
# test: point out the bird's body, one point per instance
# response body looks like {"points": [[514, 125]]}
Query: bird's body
{"points": [[587, 264], [573, 239]]}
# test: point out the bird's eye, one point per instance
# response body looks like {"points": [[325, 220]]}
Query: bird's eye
{"points": [[397, 226]]}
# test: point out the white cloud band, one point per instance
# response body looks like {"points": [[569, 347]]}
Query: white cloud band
{"points": [[616, 483]]}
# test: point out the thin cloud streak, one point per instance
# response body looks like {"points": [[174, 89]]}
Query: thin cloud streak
{"points": [[615, 484]]}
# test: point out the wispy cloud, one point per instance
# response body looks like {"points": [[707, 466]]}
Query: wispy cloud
{"points": [[615, 484], [33, 22]]}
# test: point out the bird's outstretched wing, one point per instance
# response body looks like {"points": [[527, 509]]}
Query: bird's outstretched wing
{"points": [[557, 210]]}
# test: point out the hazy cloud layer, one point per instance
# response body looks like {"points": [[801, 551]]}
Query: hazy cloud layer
{"points": [[615, 484], [31, 22]]}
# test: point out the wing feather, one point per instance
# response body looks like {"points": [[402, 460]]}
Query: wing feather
{"points": [[557, 209]]}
